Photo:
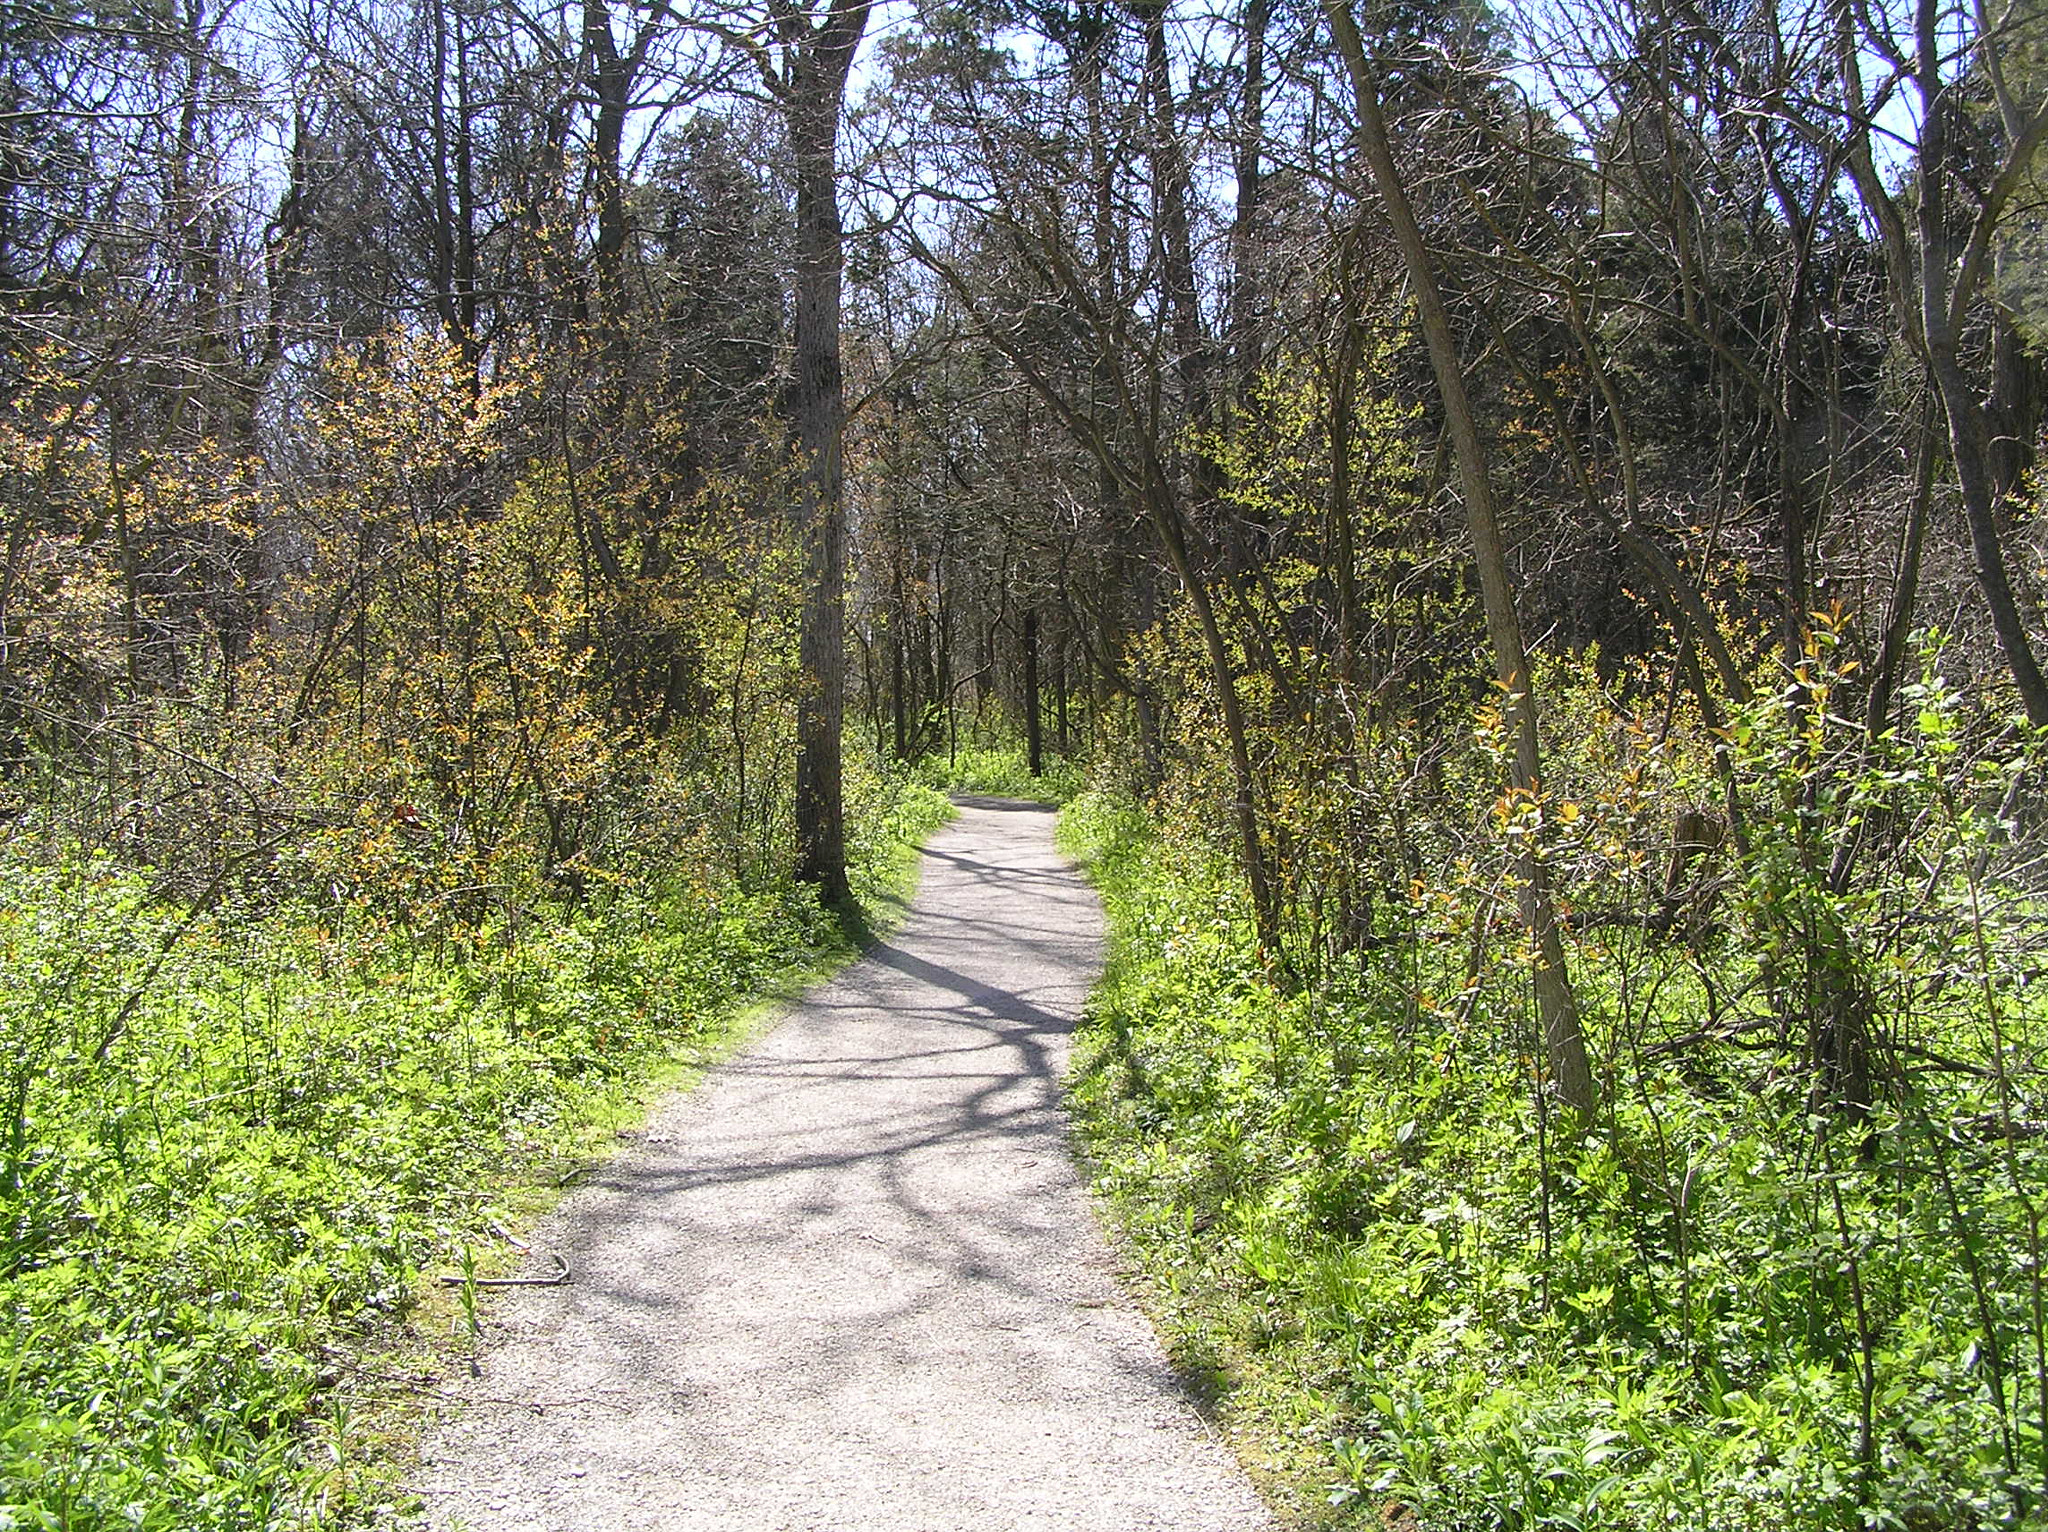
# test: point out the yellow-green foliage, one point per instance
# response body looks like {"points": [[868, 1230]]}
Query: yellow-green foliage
{"points": [[1337, 621], [311, 955], [229, 1139]]}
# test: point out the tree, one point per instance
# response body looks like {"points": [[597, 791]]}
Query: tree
{"points": [[809, 56], [1570, 1070]]}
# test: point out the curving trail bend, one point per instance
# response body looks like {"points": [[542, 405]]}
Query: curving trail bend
{"points": [[853, 1281]]}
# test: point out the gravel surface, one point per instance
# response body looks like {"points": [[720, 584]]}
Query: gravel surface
{"points": [[853, 1280]]}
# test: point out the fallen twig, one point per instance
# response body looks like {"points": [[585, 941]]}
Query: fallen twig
{"points": [[561, 1275]]}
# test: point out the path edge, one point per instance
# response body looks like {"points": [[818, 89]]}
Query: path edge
{"points": [[383, 1400], [1204, 1385]]}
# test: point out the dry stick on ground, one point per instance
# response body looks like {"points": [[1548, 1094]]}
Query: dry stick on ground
{"points": [[467, 1280], [449, 1279]]}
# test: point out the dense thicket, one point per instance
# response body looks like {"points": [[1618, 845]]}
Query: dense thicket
{"points": [[1527, 516]]}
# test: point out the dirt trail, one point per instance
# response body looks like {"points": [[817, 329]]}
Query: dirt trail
{"points": [[853, 1282]]}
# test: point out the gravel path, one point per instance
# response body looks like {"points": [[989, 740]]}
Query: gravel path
{"points": [[853, 1281]]}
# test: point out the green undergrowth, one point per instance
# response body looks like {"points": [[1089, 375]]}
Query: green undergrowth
{"points": [[235, 1139], [1003, 771], [1420, 1306]]}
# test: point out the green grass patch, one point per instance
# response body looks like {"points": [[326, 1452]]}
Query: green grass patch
{"points": [[1003, 771]]}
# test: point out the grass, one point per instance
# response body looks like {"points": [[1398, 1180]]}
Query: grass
{"points": [[238, 1142], [1003, 771]]}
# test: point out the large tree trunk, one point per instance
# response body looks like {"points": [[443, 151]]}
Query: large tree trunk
{"points": [[818, 411], [814, 89], [1571, 1072]]}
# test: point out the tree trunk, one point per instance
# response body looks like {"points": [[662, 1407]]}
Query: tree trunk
{"points": [[1942, 292], [814, 90], [1166, 521], [1247, 349], [610, 84], [898, 617], [1034, 732], [1061, 741], [1170, 212], [1970, 446], [1571, 1072]]}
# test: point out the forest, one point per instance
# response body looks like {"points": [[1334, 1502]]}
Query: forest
{"points": [[1512, 529]]}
